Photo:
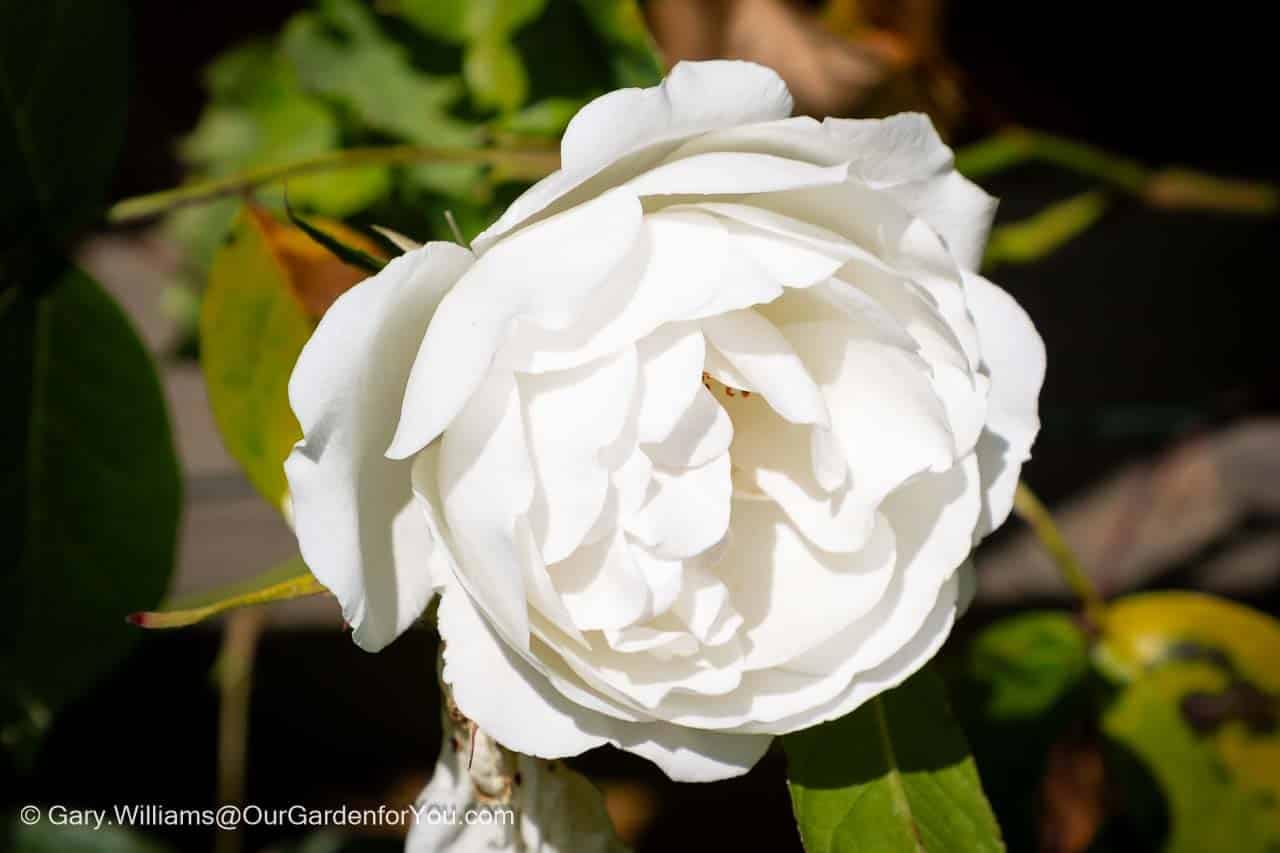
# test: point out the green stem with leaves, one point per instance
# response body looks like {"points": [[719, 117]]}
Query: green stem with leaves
{"points": [[514, 163]]}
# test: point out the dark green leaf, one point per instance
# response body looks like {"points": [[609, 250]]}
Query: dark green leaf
{"points": [[1015, 687], [895, 774], [633, 54], [90, 491], [348, 254], [63, 82], [1020, 667]]}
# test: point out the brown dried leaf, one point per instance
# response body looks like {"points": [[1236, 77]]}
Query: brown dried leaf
{"points": [[316, 275]]}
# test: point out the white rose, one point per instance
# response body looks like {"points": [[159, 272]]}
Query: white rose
{"points": [[696, 440]]}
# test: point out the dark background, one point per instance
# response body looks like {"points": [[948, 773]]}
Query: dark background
{"points": [[1157, 324]]}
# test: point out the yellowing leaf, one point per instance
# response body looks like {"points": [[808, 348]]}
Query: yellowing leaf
{"points": [[316, 275], [290, 579], [268, 284], [1199, 709], [1212, 804], [1143, 630]]}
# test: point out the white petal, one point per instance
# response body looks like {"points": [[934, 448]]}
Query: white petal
{"points": [[867, 685], [513, 701], [570, 416], [664, 578], [358, 526], [628, 130], [705, 609], [628, 489], [487, 483], [695, 97], [692, 755], [688, 512], [760, 353], [601, 586], [791, 596], [544, 274], [906, 244], [777, 458], [884, 411], [663, 644], [931, 518], [722, 173], [890, 151], [958, 209], [904, 156], [503, 694], [671, 361], [673, 270], [881, 152], [702, 433], [1014, 356]]}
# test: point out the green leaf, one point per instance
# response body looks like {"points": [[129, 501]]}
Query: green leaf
{"points": [[547, 119], [895, 774], [633, 54], [1044, 232], [463, 21], [260, 116], [252, 328], [63, 87], [45, 837], [1221, 788], [495, 74], [1020, 667], [344, 252], [90, 490], [291, 579], [341, 55], [1016, 688]]}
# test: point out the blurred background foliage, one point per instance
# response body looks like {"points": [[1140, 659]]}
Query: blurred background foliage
{"points": [[1121, 720], [341, 74]]}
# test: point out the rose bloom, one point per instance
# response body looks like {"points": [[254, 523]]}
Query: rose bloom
{"points": [[695, 441]]}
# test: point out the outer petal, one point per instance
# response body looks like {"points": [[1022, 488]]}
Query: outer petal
{"points": [[904, 156], [957, 208], [694, 755], [543, 274], [1014, 356], [694, 98], [486, 482], [511, 700], [358, 526], [504, 694]]}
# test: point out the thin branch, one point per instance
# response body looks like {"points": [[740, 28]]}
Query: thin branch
{"points": [[1037, 516], [1044, 232], [234, 674], [514, 163], [1168, 189]]}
